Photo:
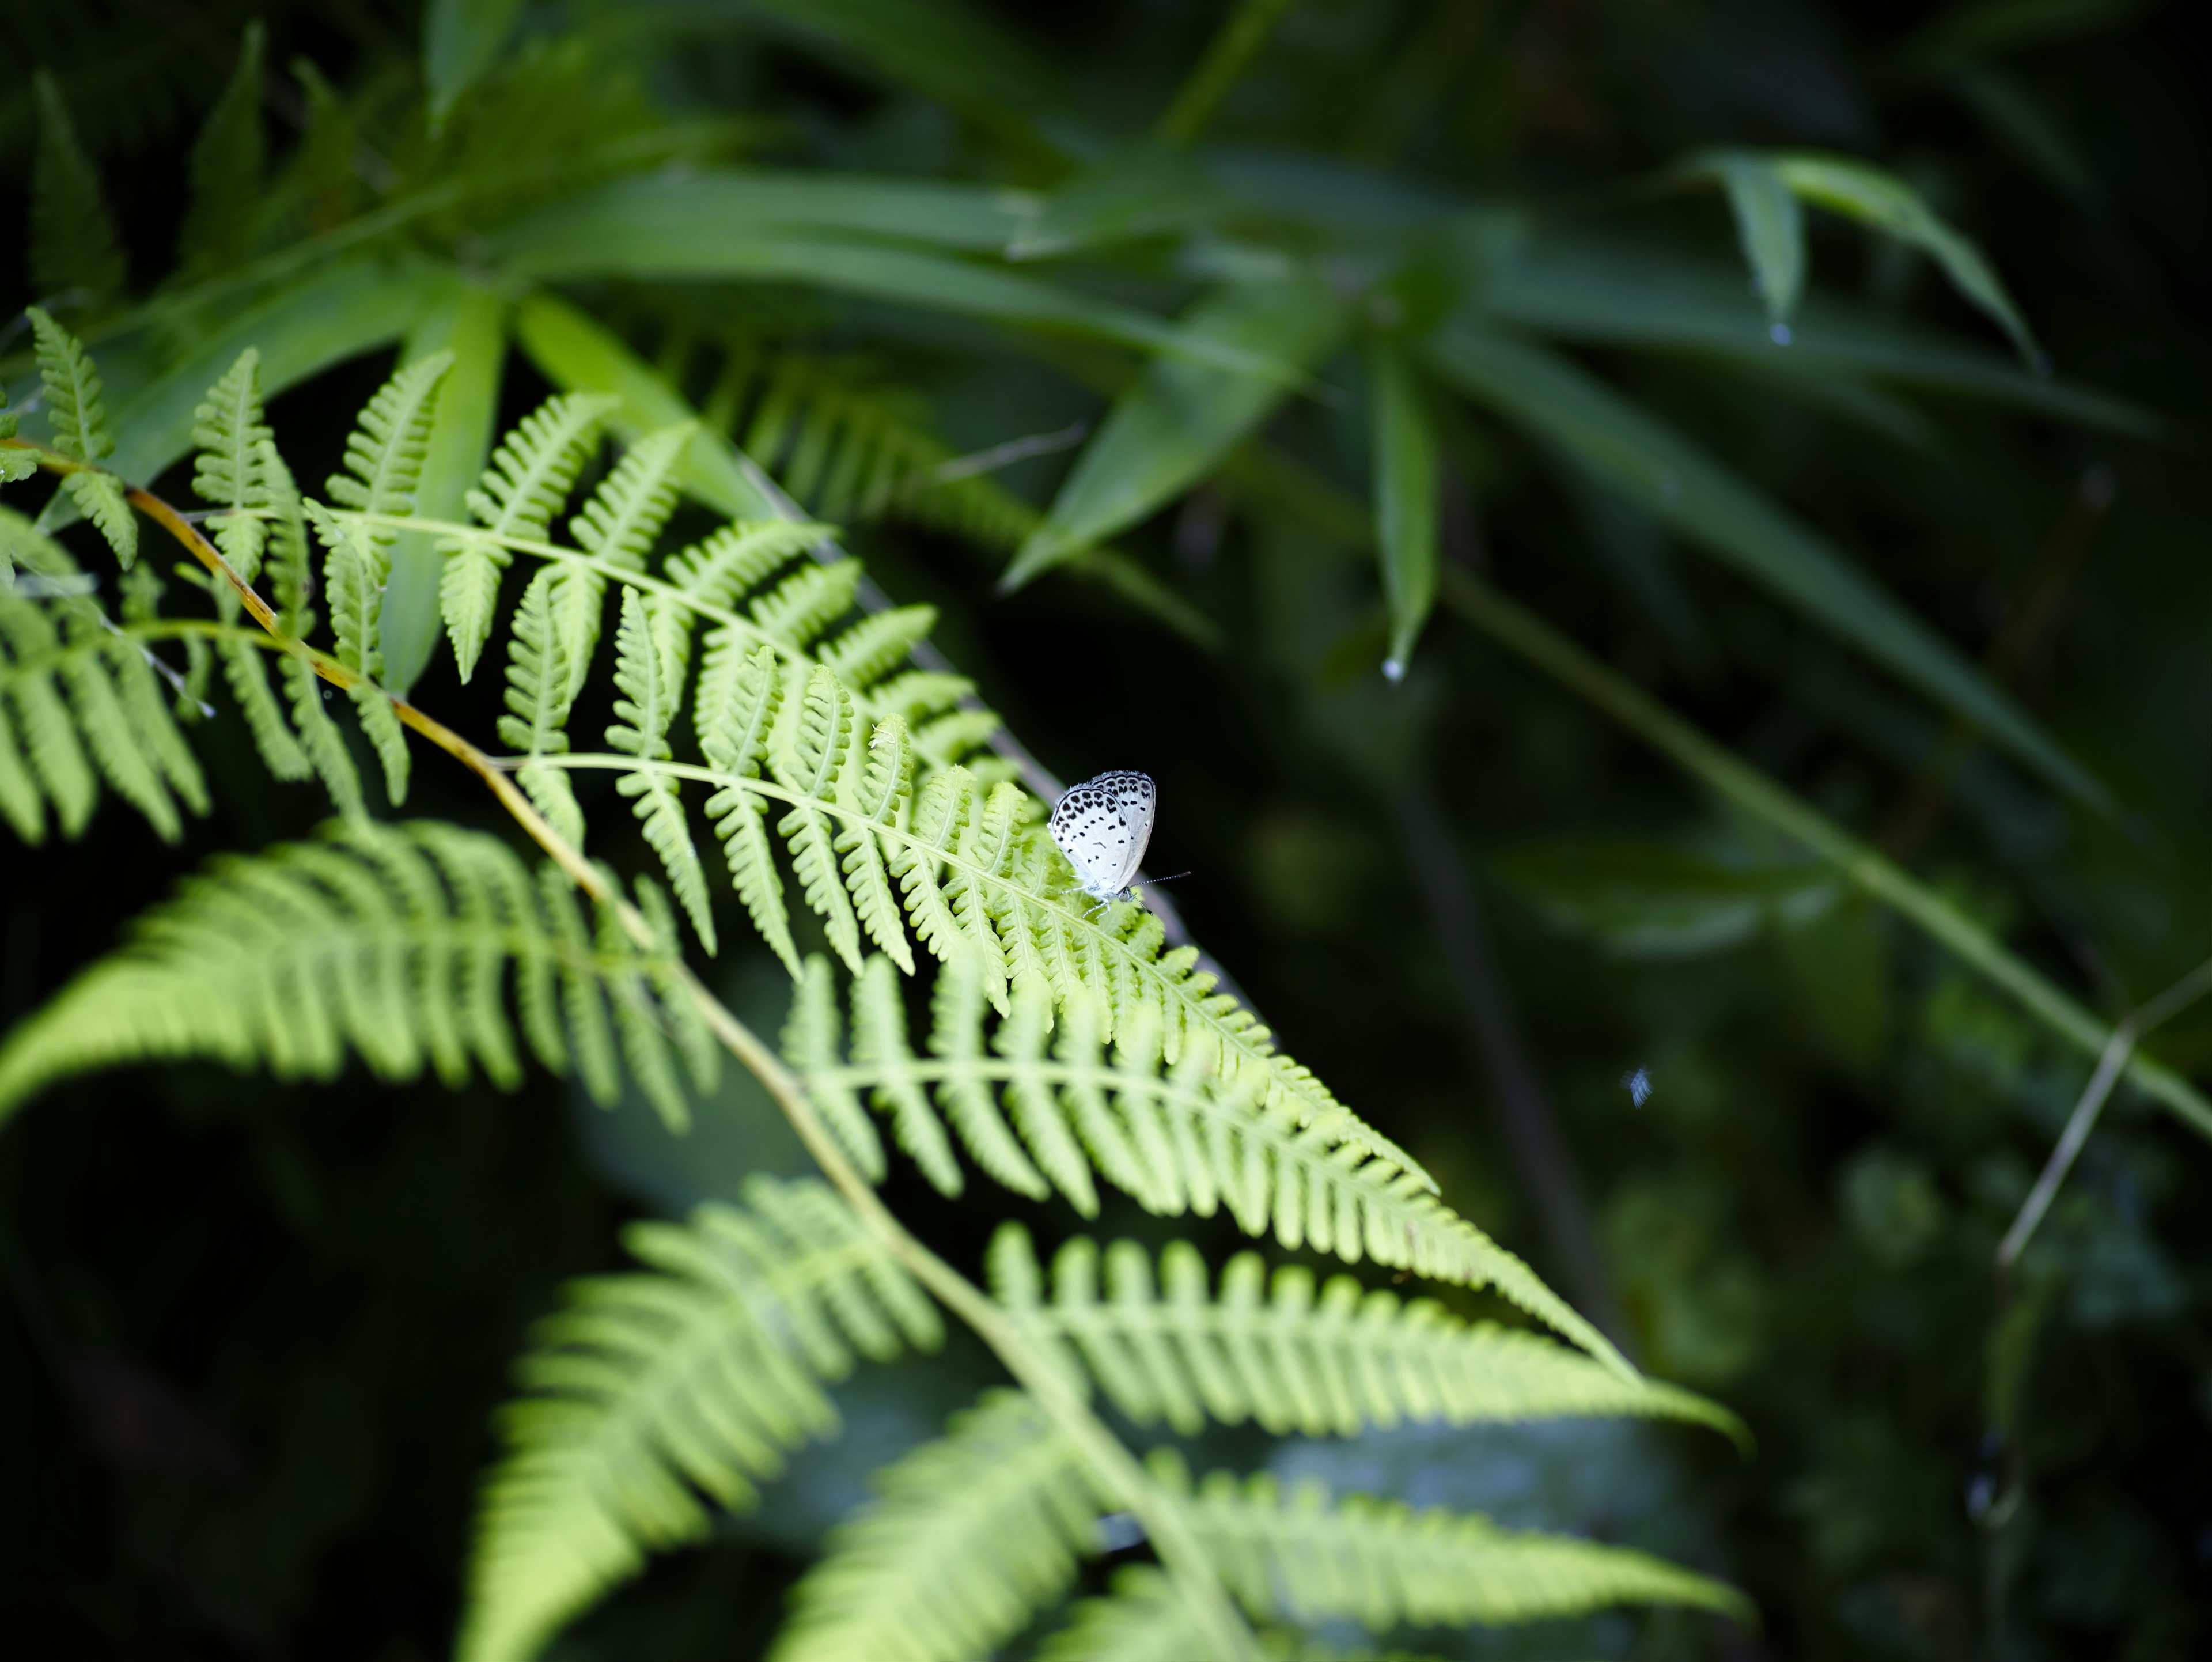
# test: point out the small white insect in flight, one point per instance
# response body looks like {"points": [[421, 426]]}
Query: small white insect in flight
{"points": [[1636, 1081], [1102, 826]]}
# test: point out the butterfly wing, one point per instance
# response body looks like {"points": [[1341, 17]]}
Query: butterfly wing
{"points": [[1102, 826]]}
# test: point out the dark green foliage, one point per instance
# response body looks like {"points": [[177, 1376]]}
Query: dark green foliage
{"points": [[1706, 342]]}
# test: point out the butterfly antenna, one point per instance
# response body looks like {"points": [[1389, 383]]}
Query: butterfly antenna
{"points": [[1154, 882]]}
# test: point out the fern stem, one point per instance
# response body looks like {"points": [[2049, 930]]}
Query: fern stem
{"points": [[1527, 635], [1119, 1472]]}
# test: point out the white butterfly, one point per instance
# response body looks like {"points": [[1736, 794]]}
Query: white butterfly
{"points": [[1102, 826]]}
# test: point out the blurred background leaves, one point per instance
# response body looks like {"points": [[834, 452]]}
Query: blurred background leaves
{"points": [[1113, 308]]}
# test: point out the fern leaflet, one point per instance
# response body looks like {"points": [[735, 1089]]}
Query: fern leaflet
{"points": [[1333, 1364], [80, 702], [79, 420], [393, 942], [653, 1390], [642, 716], [1304, 1558], [1040, 1108], [973, 1534], [229, 431], [529, 474], [619, 526]]}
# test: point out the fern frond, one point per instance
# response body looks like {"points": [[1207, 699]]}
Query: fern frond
{"points": [[73, 240], [1144, 1619], [354, 567], [226, 170], [1040, 1106], [656, 1393], [734, 733], [643, 716], [15, 464], [1302, 1557], [1331, 1364], [229, 432], [809, 766], [530, 475], [619, 526], [389, 941], [537, 682], [291, 581], [80, 702], [79, 423], [972, 1535]]}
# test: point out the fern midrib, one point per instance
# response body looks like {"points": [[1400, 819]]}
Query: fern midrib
{"points": [[609, 568], [1192, 999]]}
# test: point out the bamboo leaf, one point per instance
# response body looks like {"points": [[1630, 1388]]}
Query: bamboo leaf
{"points": [[1406, 483], [1180, 419], [1668, 475]]}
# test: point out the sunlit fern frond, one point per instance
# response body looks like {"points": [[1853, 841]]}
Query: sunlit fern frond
{"points": [[1042, 1104], [1176, 1350], [969, 866], [971, 1534], [78, 419], [81, 703], [1302, 1557], [656, 1398], [395, 943]]}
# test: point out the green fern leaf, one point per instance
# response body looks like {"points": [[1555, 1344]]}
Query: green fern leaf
{"points": [[735, 737], [531, 473], [320, 736], [1144, 1619], [264, 717], [15, 464], [379, 722], [74, 410], [874, 787], [972, 1535], [537, 701], [100, 497], [619, 526], [653, 1390], [79, 697], [812, 1037], [229, 431], [226, 170], [809, 766], [1329, 1365], [1302, 1557], [73, 241], [1184, 1139], [383, 463], [641, 1022], [879, 1045], [643, 716], [386, 941]]}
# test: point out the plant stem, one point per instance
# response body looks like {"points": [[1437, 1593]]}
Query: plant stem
{"points": [[1522, 632]]}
